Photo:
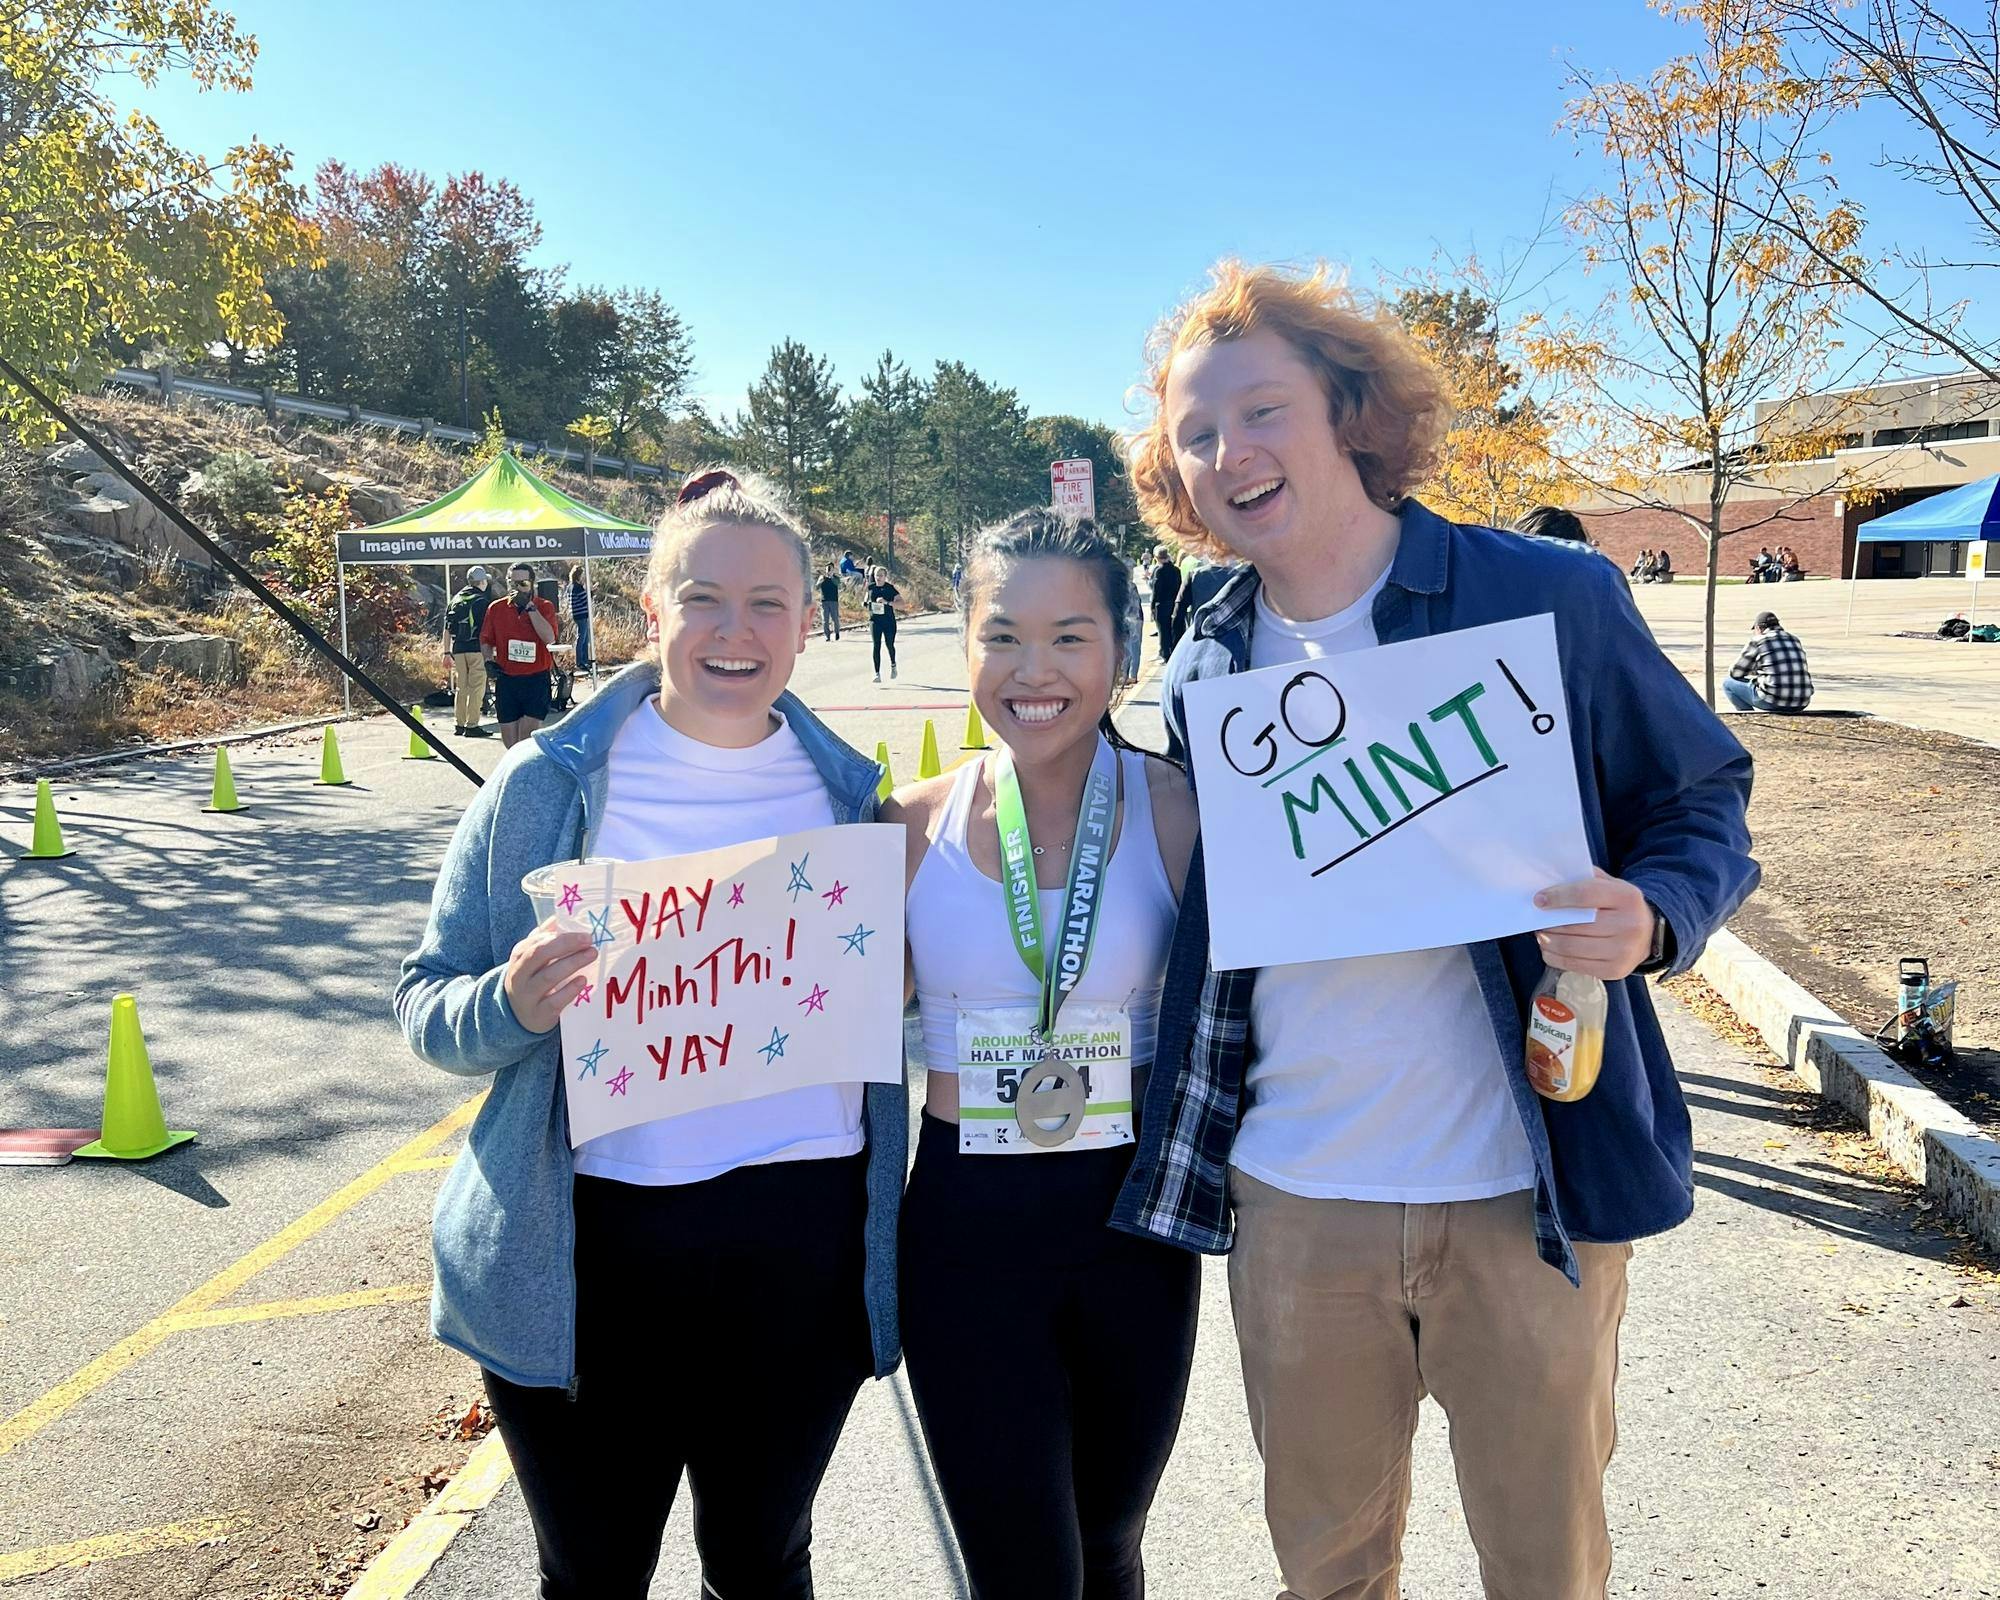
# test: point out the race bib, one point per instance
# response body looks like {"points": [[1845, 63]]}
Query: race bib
{"points": [[879, 607], [521, 650], [997, 1049]]}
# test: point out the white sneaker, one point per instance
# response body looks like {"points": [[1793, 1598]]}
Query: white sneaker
{"points": [[892, 669], [878, 677]]}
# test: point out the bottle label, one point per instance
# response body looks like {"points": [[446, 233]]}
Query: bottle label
{"points": [[1551, 1044]]}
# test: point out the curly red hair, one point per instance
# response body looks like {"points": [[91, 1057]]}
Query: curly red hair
{"points": [[1386, 402]]}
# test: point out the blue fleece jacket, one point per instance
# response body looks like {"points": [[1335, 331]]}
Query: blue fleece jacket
{"points": [[503, 1233]]}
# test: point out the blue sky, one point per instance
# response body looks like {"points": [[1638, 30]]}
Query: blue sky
{"points": [[1023, 188]]}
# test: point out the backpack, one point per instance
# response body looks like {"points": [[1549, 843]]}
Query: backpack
{"points": [[1954, 628]]}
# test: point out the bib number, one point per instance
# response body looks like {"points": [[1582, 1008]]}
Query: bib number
{"points": [[1000, 1060], [521, 650], [879, 607]]}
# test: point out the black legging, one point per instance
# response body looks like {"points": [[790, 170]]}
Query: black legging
{"points": [[1049, 1360], [882, 630], [736, 1335]]}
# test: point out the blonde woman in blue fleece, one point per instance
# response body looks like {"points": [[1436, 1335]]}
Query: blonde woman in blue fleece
{"points": [[763, 1232]]}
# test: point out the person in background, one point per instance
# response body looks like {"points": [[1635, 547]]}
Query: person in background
{"points": [[1200, 584], [850, 569], [882, 598], [1789, 559], [1552, 522], [463, 619], [829, 602], [1166, 595], [575, 604], [1771, 673], [515, 638], [1663, 566]]}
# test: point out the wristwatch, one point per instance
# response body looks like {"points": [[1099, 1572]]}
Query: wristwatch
{"points": [[1661, 955]]}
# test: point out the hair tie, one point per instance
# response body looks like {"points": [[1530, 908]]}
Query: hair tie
{"points": [[705, 483]]}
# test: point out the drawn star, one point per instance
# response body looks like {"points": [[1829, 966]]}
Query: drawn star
{"points": [[583, 996], [835, 895], [590, 1058], [572, 897], [816, 1001], [857, 941], [600, 928], [624, 1077], [736, 894], [800, 883], [770, 1052]]}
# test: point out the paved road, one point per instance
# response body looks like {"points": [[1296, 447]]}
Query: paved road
{"points": [[1926, 683]]}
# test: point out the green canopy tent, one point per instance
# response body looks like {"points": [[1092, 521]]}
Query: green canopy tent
{"points": [[502, 514]]}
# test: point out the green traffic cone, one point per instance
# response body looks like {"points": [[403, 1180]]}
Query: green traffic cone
{"points": [[975, 730], [133, 1126], [882, 760], [331, 775], [48, 842], [223, 796], [928, 765], [420, 748]]}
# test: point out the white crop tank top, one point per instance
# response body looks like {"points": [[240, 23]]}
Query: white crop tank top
{"points": [[964, 956]]}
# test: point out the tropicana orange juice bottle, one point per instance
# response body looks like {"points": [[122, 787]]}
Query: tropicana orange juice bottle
{"points": [[1566, 1034]]}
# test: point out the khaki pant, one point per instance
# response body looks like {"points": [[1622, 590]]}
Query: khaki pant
{"points": [[468, 681], [1349, 1312]]}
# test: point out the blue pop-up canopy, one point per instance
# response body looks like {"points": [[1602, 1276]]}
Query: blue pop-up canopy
{"points": [[1971, 512]]}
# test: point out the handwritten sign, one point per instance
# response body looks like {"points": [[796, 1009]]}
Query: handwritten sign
{"points": [[1399, 798], [735, 973]]}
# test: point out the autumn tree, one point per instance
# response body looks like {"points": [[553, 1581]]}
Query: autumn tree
{"points": [[108, 230], [1701, 385], [1496, 462]]}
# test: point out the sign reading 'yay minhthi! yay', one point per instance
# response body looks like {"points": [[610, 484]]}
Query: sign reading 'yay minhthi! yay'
{"points": [[1399, 798], [732, 974]]}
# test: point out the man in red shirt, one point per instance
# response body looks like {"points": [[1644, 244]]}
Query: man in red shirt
{"points": [[515, 637]]}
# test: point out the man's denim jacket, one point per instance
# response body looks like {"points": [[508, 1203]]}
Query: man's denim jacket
{"points": [[1665, 788]]}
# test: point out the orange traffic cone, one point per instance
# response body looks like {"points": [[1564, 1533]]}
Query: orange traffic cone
{"points": [[133, 1126]]}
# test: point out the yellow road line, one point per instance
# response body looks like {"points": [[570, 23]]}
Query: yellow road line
{"points": [[409, 1557], [426, 1164], [267, 1310], [38, 1414], [115, 1546]]}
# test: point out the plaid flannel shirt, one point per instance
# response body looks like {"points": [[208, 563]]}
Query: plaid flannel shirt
{"points": [[1774, 664], [1665, 788]]}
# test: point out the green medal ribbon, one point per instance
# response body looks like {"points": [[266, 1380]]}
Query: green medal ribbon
{"points": [[1083, 893]]}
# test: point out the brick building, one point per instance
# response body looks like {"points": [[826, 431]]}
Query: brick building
{"points": [[1908, 440]]}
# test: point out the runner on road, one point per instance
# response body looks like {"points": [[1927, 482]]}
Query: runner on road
{"points": [[882, 598], [1048, 1355], [515, 636], [705, 1292]]}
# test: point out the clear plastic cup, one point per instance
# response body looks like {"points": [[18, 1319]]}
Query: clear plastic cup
{"points": [[544, 886]]}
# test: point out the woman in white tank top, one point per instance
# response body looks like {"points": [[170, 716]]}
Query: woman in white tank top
{"points": [[1048, 1354]]}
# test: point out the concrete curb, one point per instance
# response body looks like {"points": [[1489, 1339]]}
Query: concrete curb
{"points": [[1937, 1146], [408, 1558]]}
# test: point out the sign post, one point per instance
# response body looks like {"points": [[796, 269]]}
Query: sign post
{"points": [[1073, 487], [1975, 569]]}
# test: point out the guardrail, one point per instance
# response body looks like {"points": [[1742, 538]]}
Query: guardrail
{"points": [[167, 383]]}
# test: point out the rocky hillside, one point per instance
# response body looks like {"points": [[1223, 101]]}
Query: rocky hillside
{"points": [[117, 629]]}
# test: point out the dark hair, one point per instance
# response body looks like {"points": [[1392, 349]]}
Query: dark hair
{"points": [[1552, 522], [1043, 532], [524, 566], [1767, 621]]}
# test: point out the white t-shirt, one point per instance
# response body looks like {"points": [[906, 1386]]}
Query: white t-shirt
{"points": [[670, 794], [1373, 1077]]}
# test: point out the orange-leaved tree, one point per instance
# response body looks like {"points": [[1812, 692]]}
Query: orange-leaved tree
{"points": [[1708, 387]]}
